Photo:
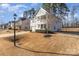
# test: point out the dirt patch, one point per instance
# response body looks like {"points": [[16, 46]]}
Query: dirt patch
{"points": [[37, 44], [55, 44], [8, 31]]}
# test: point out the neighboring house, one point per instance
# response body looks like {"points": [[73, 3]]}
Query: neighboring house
{"points": [[10, 25], [18, 24], [44, 20], [23, 24], [3, 26]]}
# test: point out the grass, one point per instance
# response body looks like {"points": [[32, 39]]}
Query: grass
{"points": [[71, 29], [37, 44], [7, 31]]}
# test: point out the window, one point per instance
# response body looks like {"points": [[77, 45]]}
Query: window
{"points": [[43, 26], [38, 25], [43, 17], [39, 17], [54, 27]]}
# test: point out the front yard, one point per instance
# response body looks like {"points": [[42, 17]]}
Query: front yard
{"points": [[2, 31], [37, 44]]}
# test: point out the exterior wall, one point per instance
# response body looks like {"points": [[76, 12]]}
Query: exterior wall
{"points": [[10, 25], [36, 24], [52, 24], [25, 24], [2, 27], [18, 24]]}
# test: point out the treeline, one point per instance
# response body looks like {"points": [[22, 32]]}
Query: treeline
{"points": [[71, 25], [74, 18]]}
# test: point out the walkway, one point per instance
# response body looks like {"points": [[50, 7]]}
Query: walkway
{"points": [[11, 34]]}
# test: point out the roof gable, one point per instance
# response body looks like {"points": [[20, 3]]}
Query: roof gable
{"points": [[41, 12]]}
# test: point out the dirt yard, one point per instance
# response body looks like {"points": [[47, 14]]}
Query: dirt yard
{"points": [[7, 31], [36, 44], [70, 29]]}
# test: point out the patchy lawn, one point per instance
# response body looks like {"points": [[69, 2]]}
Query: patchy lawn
{"points": [[38, 44], [7, 31], [70, 29]]}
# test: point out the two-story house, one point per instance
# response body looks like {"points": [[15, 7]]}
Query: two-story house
{"points": [[44, 20]]}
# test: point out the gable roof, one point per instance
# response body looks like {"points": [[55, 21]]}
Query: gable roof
{"points": [[41, 12]]}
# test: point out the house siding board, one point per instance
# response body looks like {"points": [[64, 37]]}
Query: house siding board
{"points": [[26, 24]]}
